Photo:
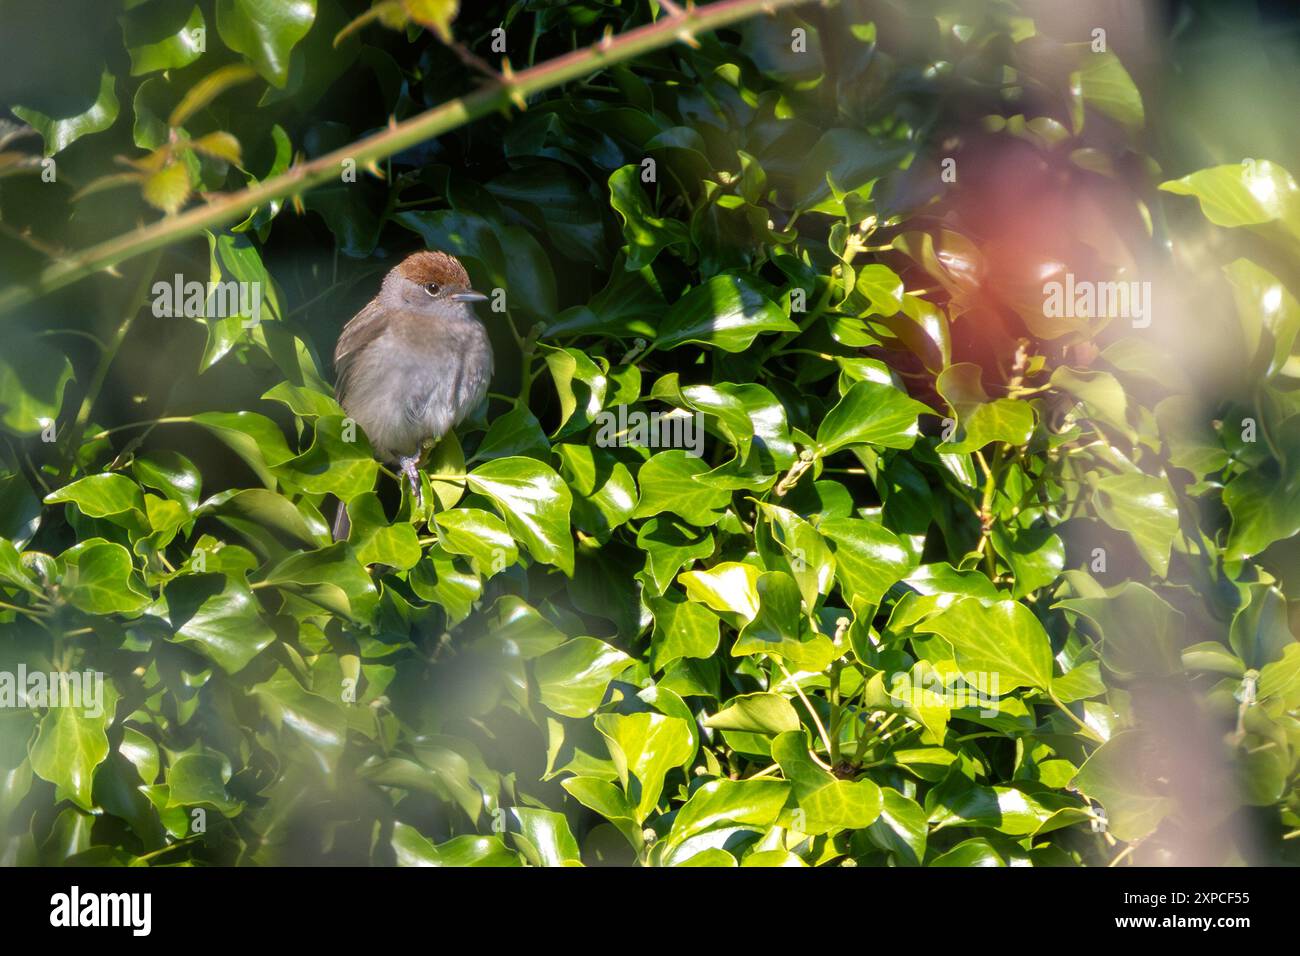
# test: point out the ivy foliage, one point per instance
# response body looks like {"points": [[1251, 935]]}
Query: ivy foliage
{"points": [[952, 580]]}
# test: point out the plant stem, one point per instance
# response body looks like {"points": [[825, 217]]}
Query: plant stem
{"points": [[34, 615], [1088, 731], [1122, 855], [812, 712], [837, 715], [986, 505], [173, 420], [167, 849], [510, 88], [866, 737], [106, 357]]}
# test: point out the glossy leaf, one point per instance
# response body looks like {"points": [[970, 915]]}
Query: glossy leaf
{"points": [[870, 413], [60, 133], [1003, 640], [535, 504], [727, 312], [265, 31]]}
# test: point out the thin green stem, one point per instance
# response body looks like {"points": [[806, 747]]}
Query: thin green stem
{"points": [[33, 614], [106, 357], [173, 420], [837, 714], [1123, 854], [868, 736], [1088, 731], [167, 849], [986, 507], [812, 712]]}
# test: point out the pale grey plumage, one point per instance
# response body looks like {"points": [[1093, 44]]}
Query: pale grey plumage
{"points": [[416, 360]]}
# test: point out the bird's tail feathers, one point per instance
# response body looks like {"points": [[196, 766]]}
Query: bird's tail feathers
{"points": [[342, 524]]}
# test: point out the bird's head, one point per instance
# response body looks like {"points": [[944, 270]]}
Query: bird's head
{"points": [[430, 283]]}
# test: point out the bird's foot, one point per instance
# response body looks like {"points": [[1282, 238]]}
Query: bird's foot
{"points": [[412, 473]]}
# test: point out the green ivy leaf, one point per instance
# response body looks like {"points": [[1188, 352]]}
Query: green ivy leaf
{"points": [[1140, 632], [97, 578], [267, 518], [413, 849], [171, 473], [870, 413], [1260, 631], [718, 802], [571, 679], [958, 803], [265, 31], [544, 838], [517, 432], [645, 233], [868, 558], [881, 287], [1102, 83], [479, 535], [781, 628], [809, 559], [1002, 639], [337, 462], [1101, 394], [1243, 194], [901, 828], [59, 134], [219, 617], [1264, 305], [668, 544], [1120, 775], [101, 496], [162, 36], [1144, 507], [644, 747], [331, 577], [254, 438], [378, 542], [604, 491], [606, 799], [318, 723], [535, 503], [32, 379], [730, 587], [976, 852], [199, 779], [727, 312], [1036, 555], [979, 419], [682, 629], [829, 804], [762, 713], [12, 572], [438, 579], [69, 745], [676, 482]]}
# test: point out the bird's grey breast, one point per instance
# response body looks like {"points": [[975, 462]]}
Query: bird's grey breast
{"points": [[415, 380], [445, 373]]}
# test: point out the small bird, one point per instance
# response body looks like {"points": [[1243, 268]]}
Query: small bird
{"points": [[413, 362]]}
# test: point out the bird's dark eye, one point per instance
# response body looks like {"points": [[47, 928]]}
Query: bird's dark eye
{"points": [[432, 288]]}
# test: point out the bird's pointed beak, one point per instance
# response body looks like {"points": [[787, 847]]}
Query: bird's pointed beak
{"points": [[470, 296]]}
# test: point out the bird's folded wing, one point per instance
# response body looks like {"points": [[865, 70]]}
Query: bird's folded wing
{"points": [[366, 326]]}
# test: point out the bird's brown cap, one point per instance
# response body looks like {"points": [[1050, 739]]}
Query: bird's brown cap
{"points": [[425, 267]]}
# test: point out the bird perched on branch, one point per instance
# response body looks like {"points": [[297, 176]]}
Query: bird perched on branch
{"points": [[413, 363]]}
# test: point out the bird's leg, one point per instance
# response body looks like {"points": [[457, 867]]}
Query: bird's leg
{"points": [[411, 471]]}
